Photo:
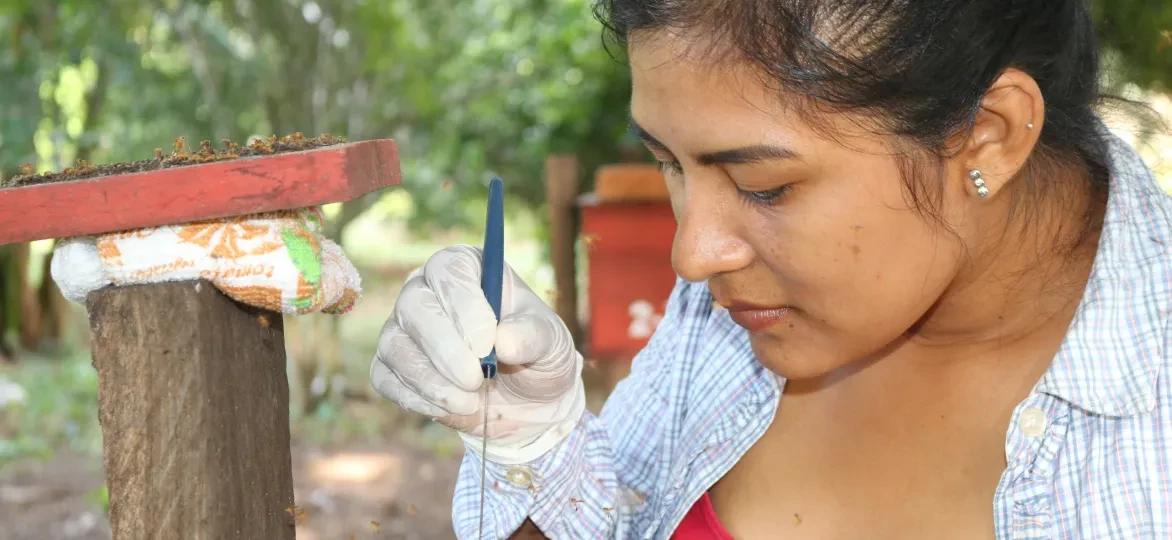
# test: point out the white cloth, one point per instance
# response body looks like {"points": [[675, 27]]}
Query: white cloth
{"points": [[275, 260]]}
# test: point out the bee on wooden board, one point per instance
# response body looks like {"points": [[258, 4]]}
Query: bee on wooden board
{"points": [[260, 146]]}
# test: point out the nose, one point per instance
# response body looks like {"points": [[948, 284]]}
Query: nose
{"points": [[708, 240]]}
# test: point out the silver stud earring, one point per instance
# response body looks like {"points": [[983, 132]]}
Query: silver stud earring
{"points": [[982, 191], [1030, 125]]}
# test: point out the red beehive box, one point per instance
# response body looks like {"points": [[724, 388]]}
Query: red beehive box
{"points": [[628, 236]]}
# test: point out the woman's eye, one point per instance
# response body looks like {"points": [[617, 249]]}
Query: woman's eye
{"points": [[670, 167], [767, 197]]}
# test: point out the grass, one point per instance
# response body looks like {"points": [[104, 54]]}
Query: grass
{"points": [[59, 410]]}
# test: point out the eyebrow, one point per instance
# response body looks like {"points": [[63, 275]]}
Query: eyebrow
{"points": [[746, 154]]}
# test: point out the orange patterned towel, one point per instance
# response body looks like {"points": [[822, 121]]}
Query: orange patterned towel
{"points": [[274, 260]]}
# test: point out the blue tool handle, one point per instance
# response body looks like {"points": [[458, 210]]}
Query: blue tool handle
{"points": [[492, 277]]}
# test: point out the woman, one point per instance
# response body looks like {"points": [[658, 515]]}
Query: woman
{"points": [[924, 294]]}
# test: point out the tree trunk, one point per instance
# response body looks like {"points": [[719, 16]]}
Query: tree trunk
{"points": [[9, 301], [29, 319], [54, 306]]}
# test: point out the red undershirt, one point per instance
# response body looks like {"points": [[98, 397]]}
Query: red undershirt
{"points": [[701, 523]]}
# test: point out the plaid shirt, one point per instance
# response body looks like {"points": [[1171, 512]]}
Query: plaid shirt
{"points": [[1089, 451]]}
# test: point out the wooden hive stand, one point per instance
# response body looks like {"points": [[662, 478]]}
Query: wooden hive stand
{"points": [[193, 398]]}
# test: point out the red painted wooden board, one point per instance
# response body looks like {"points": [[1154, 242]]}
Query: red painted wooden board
{"points": [[628, 266], [195, 192]]}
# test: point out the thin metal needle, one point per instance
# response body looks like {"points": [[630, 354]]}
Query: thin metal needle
{"points": [[491, 282], [483, 454]]}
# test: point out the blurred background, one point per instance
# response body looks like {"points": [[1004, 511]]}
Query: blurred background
{"points": [[467, 88]]}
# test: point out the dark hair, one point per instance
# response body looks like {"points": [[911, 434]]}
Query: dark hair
{"points": [[917, 68]]}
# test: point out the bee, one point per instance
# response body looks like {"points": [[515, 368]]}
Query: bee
{"points": [[374, 525], [27, 170], [797, 519], [607, 510], [447, 185], [229, 146], [297, 512], [590, 240], [180, 145], [575, 502], [84, 166], [264, 320], [411, 510]]}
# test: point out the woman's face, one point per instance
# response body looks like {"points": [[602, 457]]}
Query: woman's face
{"points": [[813, 245]]}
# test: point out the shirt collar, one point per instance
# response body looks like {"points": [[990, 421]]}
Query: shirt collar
{"points": [[1109, 362]]}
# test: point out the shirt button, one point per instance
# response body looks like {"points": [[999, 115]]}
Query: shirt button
{"points": [[519, 476], [1032, 422]]}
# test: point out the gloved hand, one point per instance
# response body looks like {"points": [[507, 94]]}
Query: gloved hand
{"points": [[429, 351]]}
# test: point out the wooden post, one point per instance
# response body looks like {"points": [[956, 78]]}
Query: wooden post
{"points": [[194, 406], [561, 188]]}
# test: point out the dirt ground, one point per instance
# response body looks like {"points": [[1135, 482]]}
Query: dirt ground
{"points": [[388, 490]]}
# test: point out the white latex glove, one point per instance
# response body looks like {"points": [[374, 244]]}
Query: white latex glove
{"points": [[429, 351]]}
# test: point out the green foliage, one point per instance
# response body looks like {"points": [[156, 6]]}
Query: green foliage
{"points": [[1139, 31], [468, 88], [100, 497]]}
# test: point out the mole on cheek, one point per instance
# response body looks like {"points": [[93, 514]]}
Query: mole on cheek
{"points": [[856, 250]]}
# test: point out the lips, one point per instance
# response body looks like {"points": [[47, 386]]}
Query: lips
{"points": [[757, 318]]}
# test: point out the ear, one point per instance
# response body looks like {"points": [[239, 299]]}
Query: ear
{"points": [[1004, 134]]}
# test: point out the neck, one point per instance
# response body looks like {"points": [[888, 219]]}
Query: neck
{"points": [[1022, 277]]}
